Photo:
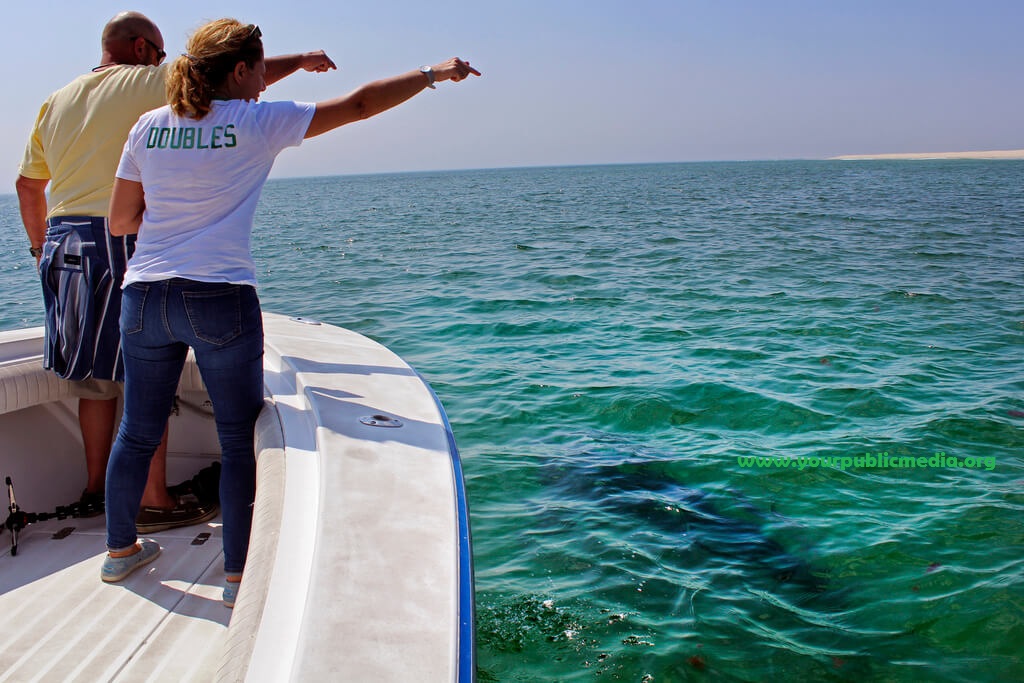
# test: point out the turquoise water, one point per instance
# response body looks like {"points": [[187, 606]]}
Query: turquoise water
{"points": [[609, 342]]}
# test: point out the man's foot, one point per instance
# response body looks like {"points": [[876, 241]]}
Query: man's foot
{"points": [[120, 563], [152, 519]]}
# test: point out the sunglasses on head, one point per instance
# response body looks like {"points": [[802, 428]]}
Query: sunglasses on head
{"points": [[159, 52]]}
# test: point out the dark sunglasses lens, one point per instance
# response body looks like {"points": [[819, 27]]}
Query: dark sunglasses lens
{"points": [[159, 53]]}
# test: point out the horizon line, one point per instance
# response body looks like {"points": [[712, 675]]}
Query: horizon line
{"points": [[1013, 155]]}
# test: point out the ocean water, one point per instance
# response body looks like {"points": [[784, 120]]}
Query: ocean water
{"points": [[613, 346]]}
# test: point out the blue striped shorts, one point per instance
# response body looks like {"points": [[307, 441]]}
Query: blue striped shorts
{"points": [[82, 269]]}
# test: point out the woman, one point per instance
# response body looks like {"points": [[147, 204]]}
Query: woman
{"points": [[188, 182]]}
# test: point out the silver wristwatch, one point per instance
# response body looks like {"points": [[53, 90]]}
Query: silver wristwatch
{"points": [[429, 73]]}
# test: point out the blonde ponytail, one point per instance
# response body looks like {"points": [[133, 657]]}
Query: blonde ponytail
{"points": [[213, 51]]}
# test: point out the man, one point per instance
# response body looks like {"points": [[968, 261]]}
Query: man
{"points": [[74, 149]]}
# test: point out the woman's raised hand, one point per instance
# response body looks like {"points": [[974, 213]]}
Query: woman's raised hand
{"points": [[453, 70]]}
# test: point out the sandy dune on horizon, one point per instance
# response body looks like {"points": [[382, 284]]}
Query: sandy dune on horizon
{"points": [[996, 154]]}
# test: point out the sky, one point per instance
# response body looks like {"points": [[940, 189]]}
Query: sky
{"points": [[569, 82]]}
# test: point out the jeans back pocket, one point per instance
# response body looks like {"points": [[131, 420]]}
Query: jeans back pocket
{"points": [[215, 314], [133, 301]]}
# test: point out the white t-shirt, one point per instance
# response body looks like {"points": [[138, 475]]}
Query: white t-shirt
{"points": [[202, 181]]}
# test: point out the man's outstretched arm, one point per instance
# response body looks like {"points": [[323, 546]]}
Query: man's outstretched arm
{"points": [[285, 65]]}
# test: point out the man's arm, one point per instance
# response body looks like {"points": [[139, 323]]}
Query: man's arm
{"points": [[285, 65], [32, 204]]}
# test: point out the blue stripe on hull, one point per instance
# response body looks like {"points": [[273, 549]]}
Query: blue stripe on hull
{"points": [[467, 594]]}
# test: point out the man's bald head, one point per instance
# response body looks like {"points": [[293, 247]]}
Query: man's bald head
{"points": [[121, 40]]}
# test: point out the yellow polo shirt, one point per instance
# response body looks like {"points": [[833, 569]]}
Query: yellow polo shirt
{"points": [[77, 139]]}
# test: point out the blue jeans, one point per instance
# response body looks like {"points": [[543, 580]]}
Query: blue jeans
{"points": [[159, 322]]}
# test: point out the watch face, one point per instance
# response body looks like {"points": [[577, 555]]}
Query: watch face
{"points": [[429, 71]]}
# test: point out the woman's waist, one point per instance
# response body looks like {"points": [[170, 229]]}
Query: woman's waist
{"points": [[184, 278]]}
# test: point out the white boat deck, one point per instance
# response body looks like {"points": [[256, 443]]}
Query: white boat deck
{"points": [[64, 624], [359, 566]]}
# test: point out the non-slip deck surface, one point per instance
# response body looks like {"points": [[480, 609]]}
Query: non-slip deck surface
{"points": [[165, 622]]}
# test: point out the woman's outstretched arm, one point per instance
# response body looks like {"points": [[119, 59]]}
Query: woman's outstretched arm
{"points": [[379, 96]]}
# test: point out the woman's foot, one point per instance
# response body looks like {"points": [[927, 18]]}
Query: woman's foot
{"points": [[120, 563], [231, 584]]}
